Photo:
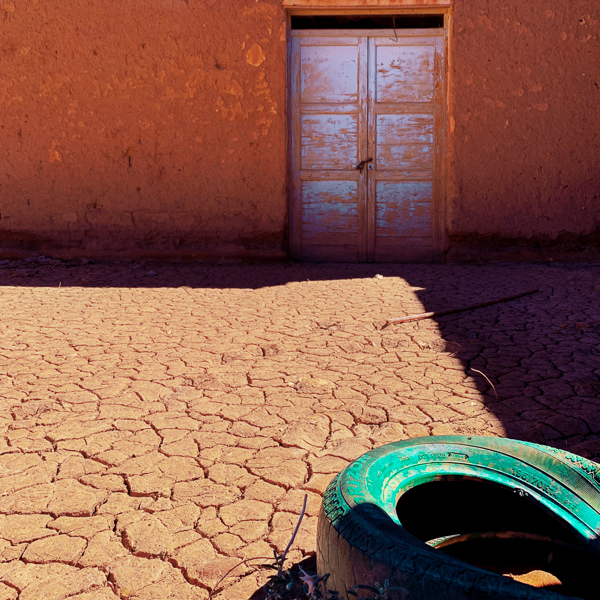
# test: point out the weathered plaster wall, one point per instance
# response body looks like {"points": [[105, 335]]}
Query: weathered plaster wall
{"points": [[142, 126], [158, 127], [525, 126]]}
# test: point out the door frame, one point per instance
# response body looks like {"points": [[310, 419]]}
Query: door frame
{"points": [[440, 238]]}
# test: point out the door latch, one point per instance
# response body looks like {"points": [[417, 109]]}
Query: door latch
{"points": [[361, 165]]}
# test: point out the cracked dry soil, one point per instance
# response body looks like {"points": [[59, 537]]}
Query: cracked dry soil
{"points": [[160, 422]]}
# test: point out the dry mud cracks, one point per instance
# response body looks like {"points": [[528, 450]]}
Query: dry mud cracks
{"points": [[160, 422]]}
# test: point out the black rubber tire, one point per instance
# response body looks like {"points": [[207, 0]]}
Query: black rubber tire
{"points": [[360, 540]]}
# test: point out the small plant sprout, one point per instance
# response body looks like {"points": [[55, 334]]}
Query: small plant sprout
{"points": [[378, 592]]}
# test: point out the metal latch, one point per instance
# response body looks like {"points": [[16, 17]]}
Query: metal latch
{"points": [[361, 165]]}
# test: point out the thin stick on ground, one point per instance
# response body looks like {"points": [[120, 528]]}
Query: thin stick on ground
{"points": [[242, 562], [279, 559], [441, 313], [295, 530], [488, 380]]}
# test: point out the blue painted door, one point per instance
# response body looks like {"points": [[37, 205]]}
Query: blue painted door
{"points": [[365, 96]]}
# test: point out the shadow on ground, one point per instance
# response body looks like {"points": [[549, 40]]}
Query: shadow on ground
{"points": [[294, 572], [535, 360]]}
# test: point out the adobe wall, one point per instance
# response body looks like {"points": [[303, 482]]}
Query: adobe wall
{"points": [[525, 142], [140, 127], [158, 128]]}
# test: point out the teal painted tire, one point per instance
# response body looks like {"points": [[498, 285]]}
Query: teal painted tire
{"points": [[381, 515]]}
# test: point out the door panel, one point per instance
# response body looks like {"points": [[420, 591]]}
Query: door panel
{"points": [[403, 210], [405, 73], [329, 141], [329, 213], [402, 110], [404, 142], [357, 95], [329, 89], [402, 129], [404, 156], [329, 73]]}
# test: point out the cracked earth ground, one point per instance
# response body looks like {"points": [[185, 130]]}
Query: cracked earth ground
{"points": [[160, 422]]}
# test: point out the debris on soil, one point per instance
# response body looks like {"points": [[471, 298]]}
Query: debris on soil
{"points": [[431, 315], [284, 578], [539, 579]]}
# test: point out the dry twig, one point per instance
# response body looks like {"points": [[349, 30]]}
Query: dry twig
{"points": [[488, 380], [279, 558], [433, 315]]}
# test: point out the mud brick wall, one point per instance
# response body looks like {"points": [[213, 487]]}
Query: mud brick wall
{"points": [[158, 128], [143, 126], [524, 132]]}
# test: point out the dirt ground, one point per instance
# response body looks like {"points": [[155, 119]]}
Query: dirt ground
{"points": [[161, 421]]}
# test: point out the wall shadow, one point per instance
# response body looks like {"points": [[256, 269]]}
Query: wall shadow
{"points": [[541, 352], [160, 274]]}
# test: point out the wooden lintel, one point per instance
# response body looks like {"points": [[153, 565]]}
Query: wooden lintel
{"points": [[367, 5]]}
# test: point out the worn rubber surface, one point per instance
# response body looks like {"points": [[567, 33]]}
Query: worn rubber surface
{"points": [[361, 540]]}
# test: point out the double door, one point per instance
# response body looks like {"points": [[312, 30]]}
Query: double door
{"points": [[367, 144]]}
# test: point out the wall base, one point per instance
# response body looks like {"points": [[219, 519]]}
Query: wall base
{"points": [[22, 246], [564, 248]]}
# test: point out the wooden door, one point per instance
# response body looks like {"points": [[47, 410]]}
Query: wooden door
{"points": [[358, 95]]}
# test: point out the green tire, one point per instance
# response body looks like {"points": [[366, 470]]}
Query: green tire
{"points": [[363, 537]]}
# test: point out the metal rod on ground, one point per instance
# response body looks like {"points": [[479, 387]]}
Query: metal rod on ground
{"points": [[441, 313]]}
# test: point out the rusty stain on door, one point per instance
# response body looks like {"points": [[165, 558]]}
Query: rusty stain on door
{"points": [[359, 96]]}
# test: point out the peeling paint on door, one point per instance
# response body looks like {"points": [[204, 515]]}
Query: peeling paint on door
{"points": [[360, 95]]}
